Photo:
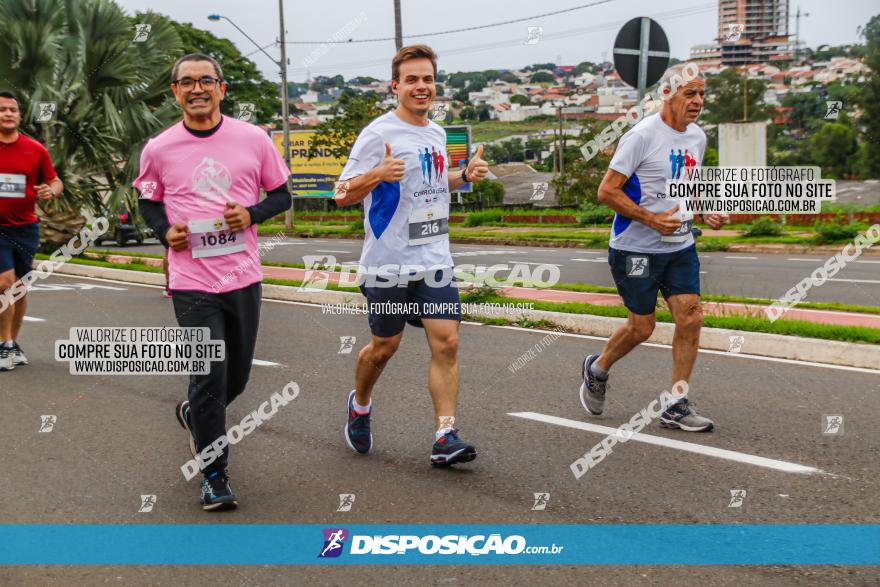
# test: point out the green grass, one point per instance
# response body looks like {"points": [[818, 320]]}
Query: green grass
{"points": [[134, 266], [859, 334], [578, 287], [798, 328], [491, 130]]}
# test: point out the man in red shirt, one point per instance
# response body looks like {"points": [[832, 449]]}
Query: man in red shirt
{"points": [[26, 173]]}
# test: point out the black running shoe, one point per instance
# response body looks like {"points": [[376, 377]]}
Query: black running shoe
{"points": [[450, 449], [217, 493], [357, 430], [683, 415], [182, 412], [593, 389]]}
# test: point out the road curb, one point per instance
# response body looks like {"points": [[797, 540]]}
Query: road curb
{"points": [[814, 350]]}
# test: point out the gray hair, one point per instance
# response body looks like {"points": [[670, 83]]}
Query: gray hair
{"points": [[679, 74]]}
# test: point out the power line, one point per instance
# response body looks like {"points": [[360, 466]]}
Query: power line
{"points": [[449, 32], [670, 14]]}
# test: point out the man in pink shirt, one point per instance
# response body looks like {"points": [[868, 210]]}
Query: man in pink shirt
{"points": [[200, 183]]}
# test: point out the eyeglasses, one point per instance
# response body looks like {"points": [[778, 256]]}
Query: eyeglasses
{"points": [[207, 82]]}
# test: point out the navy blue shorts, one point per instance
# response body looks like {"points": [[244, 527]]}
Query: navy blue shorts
{"points": [[18, 245], [390, 308], [639, 276]]}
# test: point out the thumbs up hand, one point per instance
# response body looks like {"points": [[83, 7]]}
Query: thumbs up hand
{"points": [[477, 168], [390, 169]]}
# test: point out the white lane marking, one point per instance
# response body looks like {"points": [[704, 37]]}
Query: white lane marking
{"points": [[533, 263], [744, 356], [33, 319], [867, 261], [810, 260], [260, 363], [330, 251], [709, 451], [741, 257], [854, 280], [591, 260], [703, 272]]}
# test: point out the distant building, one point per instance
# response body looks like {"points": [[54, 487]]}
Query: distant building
{"points": [[749, 31]]}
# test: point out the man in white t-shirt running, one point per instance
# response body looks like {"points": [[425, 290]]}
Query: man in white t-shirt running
{"points": [[651, 245], [398, 168]]}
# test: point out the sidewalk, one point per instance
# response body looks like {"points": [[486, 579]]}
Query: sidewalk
{"points": [[713, 308], [600, 299]]}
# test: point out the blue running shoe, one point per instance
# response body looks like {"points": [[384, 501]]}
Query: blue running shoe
{"points": [[593, 389], [217, 493], [357, 430], [450, 449], [182, 412], [683, 415]]}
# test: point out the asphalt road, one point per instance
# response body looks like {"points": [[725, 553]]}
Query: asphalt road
{"points": [[751, 275], [116, 439]]}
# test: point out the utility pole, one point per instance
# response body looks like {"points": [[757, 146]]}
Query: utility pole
{"points": [[746, 96], [398, 28], [285, 110], [797, 33], [561, 141]]}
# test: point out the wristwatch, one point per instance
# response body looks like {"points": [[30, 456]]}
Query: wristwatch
{"points": [[464, 176]]}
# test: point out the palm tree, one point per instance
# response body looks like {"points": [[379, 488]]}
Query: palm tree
{"points": [[83, 56]]}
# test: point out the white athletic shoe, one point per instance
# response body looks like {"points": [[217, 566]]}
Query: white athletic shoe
{"points": [[6, 362], [18, 356]]}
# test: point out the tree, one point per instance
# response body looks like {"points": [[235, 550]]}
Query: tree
{"points": [[483, 114], [80, 55], [584, 67], [540, 66], [355, 112], [808, 110], [724, 98], [540, 77], [244, 82], [579, 185], [834, 149], [468, 113], [869, 100], [520, 99]]}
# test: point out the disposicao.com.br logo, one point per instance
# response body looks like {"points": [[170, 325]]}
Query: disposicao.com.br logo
{"points": [[430, 544]]}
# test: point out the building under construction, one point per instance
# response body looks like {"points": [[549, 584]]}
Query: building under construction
{"points": [[749, 31]]}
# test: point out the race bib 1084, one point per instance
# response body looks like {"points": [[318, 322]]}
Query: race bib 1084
{"points": [[213, 238]]}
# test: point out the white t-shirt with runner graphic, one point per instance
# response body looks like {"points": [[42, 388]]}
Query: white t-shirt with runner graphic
{"points": [[649, 154], [406, 223]]}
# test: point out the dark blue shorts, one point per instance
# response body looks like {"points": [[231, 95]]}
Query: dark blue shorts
{"points": [[390, 308], [18, 245], [639, 276]]}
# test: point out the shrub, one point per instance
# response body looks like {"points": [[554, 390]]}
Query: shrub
{"points": [[763, 227], [484, 217], [829, 233], [595, 215]]}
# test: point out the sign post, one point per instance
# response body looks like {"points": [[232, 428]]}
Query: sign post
{"points": [[641, 53]]}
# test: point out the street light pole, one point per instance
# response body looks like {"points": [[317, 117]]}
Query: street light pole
{"points": [[285, 107], [398, 27], [285, 111]]}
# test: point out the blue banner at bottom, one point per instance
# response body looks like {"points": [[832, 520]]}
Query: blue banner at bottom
{"points": [[275, 544]]}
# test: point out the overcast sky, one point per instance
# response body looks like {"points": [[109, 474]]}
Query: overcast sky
{"points": [[581, 35]]}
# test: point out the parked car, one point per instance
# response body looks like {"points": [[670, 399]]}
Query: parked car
{"points": [[124, 228]]}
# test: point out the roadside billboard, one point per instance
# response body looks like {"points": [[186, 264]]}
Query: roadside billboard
{"points": [[310, 178], [314, 178]]}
